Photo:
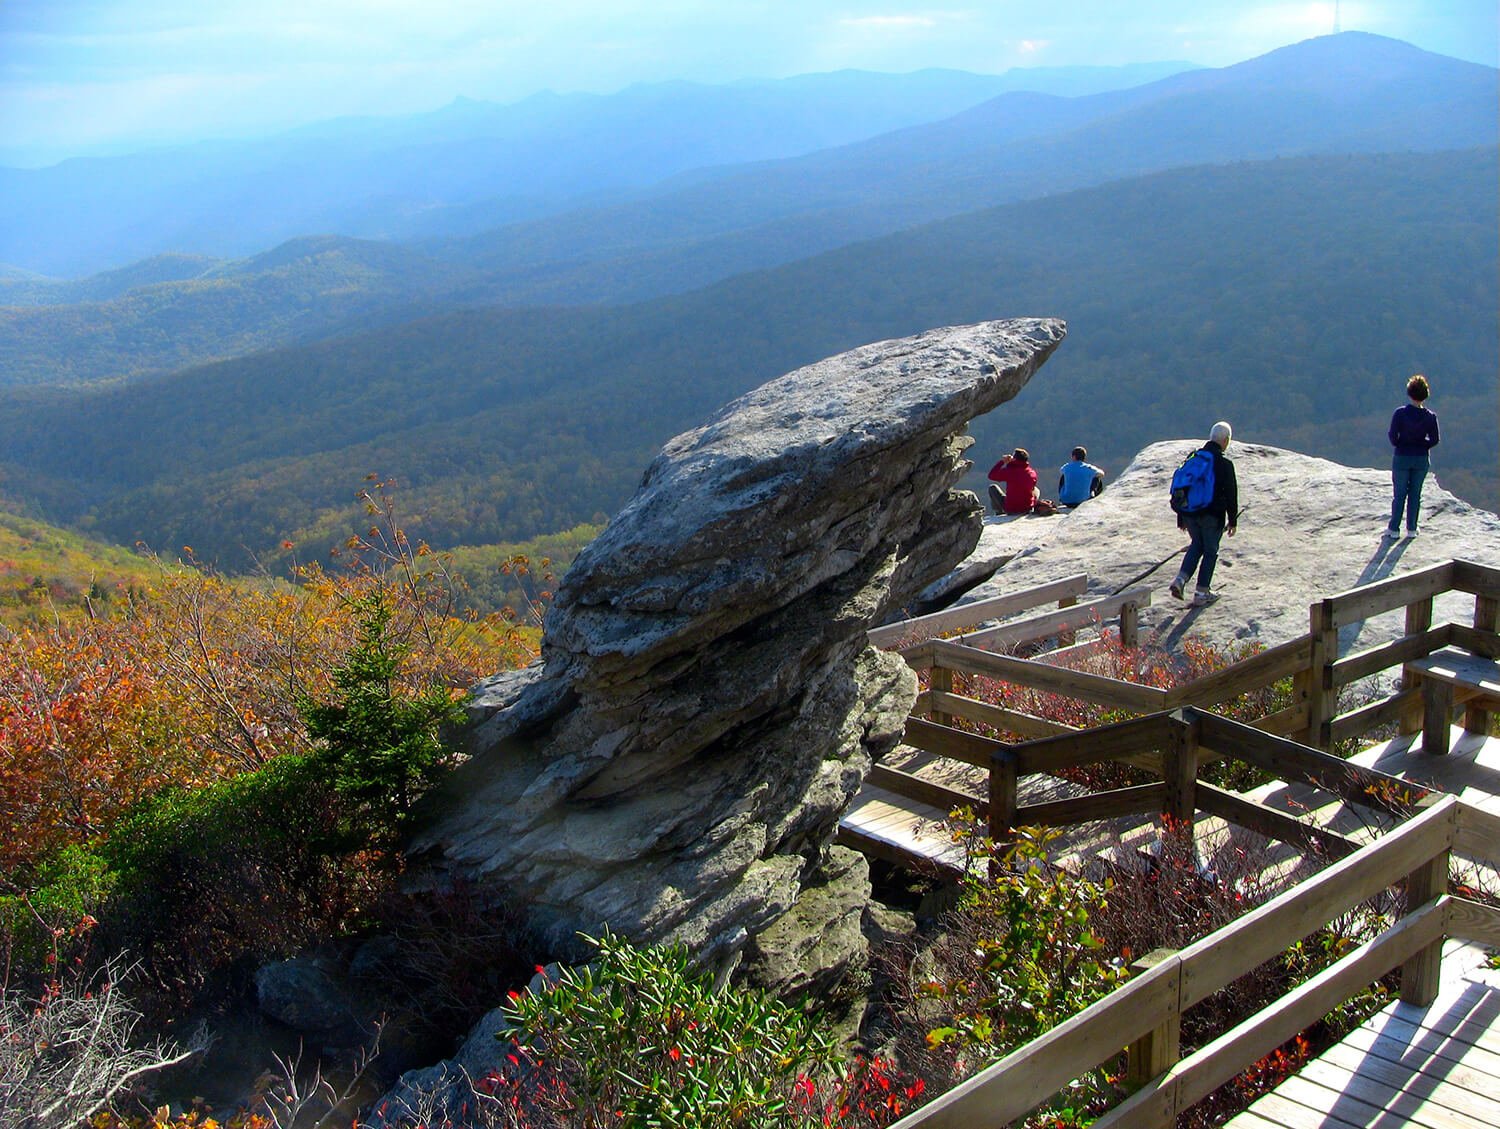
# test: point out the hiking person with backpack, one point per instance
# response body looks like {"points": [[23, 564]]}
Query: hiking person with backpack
{"points": [[1206, 498], [1413, 433]]}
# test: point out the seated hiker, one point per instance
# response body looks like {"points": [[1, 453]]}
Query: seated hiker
{"points": [[1079, 480], [1013, 486]]}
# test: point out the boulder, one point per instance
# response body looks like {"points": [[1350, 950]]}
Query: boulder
{"points": [[706, 703]]}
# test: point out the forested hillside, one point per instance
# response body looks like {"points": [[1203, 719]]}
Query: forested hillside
{"points": [[1292, 297], [170, 312]]}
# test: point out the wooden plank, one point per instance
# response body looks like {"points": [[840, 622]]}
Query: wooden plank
{"points": [[1062, 620], [887, 851], [1253, 673], [1362, 664], [1359, 604], [1005, 720], [967, 615], [1218, 959], [1277, 1111], [1457, 668], [1293, 762], [1422, 974], [970, 748], [1401, 1042], [1471, 639], [1040, 676], [1442, 1085], [1356, 722], [926, 791], [1478, 833], [1138, 800], [1368, 1102], [1474, 921], [1220, 1060], [1031, 1074], [1179, 769], [1108, 742], [1271, 823], [1284, 723], [1477, 579]]}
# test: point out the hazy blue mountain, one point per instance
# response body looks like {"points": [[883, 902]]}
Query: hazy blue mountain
{"points": [[1291, 296], [23, 288], [468, 166], [1353, 92], [203, 309]]}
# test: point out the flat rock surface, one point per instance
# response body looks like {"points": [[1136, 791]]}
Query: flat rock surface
{"points": [[1309, 528]]}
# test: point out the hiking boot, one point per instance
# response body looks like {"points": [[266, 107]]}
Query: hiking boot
{"points": [[1176, 588], [1203, 597]]}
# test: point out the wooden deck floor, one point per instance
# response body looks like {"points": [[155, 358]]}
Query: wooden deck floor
{"points": [[1437, 1067]]}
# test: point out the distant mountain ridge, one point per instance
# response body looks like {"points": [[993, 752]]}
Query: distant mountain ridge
{"points": [[1297, 320], [466, 167], [1352, 92]]}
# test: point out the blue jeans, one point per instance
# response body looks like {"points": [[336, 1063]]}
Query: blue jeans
{"points": [[1407, 473], [1206, 531]]}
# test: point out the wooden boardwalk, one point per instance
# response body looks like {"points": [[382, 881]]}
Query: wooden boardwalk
{"points": [[1436, 1067]]}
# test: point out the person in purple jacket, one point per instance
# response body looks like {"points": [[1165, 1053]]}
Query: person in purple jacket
{"points": [[1414, 432]]}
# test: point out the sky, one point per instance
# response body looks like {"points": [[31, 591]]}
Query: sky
{"points": [[89, 76]]}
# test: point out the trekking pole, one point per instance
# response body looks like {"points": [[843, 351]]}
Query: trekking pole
{"points": [[1170, 556]]}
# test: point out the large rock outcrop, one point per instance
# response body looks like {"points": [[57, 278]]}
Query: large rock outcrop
{"points": [[1309, 528], [707, 704]]}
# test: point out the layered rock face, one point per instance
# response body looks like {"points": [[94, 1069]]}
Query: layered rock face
{"points": [[706, 704]]}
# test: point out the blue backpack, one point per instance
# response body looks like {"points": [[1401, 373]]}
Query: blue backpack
{"points": [[1193, 483]]}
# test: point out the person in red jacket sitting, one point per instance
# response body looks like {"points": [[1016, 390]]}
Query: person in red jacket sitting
{"points": [[1014, 476]]}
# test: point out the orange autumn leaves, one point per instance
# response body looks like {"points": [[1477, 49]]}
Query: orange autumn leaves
{"points": [[194, 681]]}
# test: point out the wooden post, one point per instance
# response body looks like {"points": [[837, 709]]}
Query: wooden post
{"points": [[1180, 772], [1418, 620], [1302, 683], [1322, 699], [1003, 782], [1130, 624], [1486, 616], [1437, 716], [1422, 972], [1067, 638], [1155, 1052], [940, 678]]}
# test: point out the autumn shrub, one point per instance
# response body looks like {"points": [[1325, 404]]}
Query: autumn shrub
{"points": [[1019, 953], [641, 1037]]}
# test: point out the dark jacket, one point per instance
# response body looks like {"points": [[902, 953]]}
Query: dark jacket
{"points": [[1226, 503], [1414, 430]]}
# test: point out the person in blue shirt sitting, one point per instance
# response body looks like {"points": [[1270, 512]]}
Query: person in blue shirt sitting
{"points": [[1080, 480]]}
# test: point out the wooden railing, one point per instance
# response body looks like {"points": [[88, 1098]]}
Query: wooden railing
{"points": [[1414, 592], [1170, 746], [1145, 1014], [1312, 661], [1065, 591]]}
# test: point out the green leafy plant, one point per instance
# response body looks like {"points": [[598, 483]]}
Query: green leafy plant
{"points": [[640, 1037]]}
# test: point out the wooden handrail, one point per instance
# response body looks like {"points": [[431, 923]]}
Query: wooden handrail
{"points": [[1255, 673], [1060, 680], [1056, 622], [1358, 604], [1028, 1076], [968, 615]]}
